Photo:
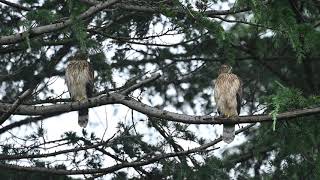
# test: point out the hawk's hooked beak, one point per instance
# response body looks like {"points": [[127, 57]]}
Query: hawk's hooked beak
{"points": [[230, 70]]}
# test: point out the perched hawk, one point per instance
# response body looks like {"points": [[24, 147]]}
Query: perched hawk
{"points": [[79, 79], [227, 94]]}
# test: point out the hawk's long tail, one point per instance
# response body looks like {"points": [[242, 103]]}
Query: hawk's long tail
{"points": [[83, 117], [228, 133]]}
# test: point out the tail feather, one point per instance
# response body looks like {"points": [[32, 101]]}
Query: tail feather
{"points": [[228, 133], [83, 117]]}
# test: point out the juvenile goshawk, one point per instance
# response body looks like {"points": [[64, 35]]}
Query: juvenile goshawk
{"points": [[79, 79], [227, 95]]}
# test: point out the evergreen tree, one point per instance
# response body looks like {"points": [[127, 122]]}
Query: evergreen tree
{"points": [[272, 45]]}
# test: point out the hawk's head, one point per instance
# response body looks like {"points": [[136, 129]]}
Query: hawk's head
{"points": [[79, 56], [224, 68]]}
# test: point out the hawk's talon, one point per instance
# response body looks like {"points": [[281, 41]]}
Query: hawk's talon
{"points": [[81, 98]]}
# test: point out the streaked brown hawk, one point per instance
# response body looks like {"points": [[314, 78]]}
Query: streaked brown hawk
{"points": [[79, 79], [227, 95]]}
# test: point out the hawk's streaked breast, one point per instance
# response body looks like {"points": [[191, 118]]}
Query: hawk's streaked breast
{"points": [[226, 88], [78, 75]]}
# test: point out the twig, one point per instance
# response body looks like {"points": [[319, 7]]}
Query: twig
{"points": [[119, 166], [243, 22], [27, 156], [140, 84], [24, 121]]}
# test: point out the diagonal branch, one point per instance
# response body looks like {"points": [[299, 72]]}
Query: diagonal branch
{"points": [[153, 77], [54, 27], [28, 120], [15, 105], [171, 141], [18, 6]]}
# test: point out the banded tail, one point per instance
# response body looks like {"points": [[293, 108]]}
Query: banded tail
{"points": [[83, 117], [228, 133]]}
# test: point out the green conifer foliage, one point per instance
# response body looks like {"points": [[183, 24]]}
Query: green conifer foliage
{"points": [[272, 45]]}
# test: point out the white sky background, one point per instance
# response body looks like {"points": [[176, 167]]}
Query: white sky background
{"points": [[107, 117]]}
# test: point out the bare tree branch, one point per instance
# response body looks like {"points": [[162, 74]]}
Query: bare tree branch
{"points": [[122, 165], [171, 141], [157, 9], [96, 7], [211, 13], [54, 27], [23, 122], [26, 156], [243, 22], [117, 98], [15, 105], [141, 83]]}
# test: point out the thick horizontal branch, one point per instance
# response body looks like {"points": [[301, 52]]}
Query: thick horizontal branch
{"points": [[191, 119], [117, 98], [53, 27], [151, 9], [122, 165], [120, 97], [209, 13]]}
